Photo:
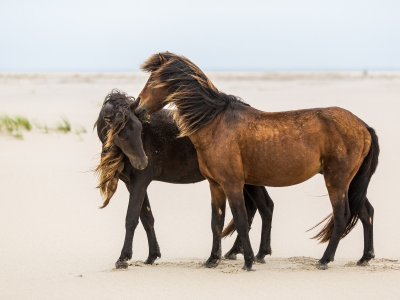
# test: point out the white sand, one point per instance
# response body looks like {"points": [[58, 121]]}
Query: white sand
{"points": [[56, 244]]}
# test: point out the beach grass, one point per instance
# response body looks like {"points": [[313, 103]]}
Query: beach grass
{"points": [[79, 129], [15, 125], [64, 125]]}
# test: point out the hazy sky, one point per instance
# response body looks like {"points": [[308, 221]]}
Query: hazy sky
{"points": [[247, 35]]}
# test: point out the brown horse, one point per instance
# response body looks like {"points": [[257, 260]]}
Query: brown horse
{"points": [[237, 144]]}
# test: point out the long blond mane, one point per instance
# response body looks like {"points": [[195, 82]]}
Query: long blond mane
{"points": [[111, 160]]}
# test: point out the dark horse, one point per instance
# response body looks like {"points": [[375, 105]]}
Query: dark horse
{"points": [[126, 141], [237, 144]]}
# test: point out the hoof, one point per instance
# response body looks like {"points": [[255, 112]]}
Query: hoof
{"points": [[121, 265], [321, 266], [247, 268], [248, 264], [151, 259], [212, 263], [363, 263], [230, 256], [259, 260], [267, 252]]}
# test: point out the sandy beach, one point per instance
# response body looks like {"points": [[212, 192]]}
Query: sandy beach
{"points": [[57, 244]]}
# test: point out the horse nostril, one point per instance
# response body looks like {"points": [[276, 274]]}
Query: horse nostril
{"points": [[144, 165], [141, 113]]}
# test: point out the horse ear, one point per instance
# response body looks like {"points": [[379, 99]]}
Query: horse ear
{"points": [[133, 105], [163, 60]]}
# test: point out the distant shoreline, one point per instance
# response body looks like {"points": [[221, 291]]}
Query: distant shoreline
{"points": [[216, 75]]}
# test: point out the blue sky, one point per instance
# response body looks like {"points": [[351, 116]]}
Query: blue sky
{"points": [[284, 35]]}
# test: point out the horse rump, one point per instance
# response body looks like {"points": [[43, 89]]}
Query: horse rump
{"points": [[357, 191]]}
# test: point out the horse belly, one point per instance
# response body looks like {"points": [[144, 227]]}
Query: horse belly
{"points": [[277, 164], [179, 167]]}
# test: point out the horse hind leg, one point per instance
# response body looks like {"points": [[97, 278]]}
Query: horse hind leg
{"points": [[336, 225], [237, 247], [236, 203], [256, 197], [265, 207], [366, 217]]}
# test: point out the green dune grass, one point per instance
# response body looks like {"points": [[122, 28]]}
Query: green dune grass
{"points": [[15, 125]]}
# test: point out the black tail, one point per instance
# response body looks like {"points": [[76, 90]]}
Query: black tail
{"points": [[357, 190]]}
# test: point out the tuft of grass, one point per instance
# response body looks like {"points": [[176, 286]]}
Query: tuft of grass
{"points": [[40, 126], [24, 122], [7, 123], [64, 125], [79, 129], [13, 125]]}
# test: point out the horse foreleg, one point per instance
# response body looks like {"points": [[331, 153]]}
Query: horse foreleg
{"points": [[218, 203], [137, 191], [251, 209], [367, 217], [147, 219]]}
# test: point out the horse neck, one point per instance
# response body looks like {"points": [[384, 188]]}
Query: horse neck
{"points": [[201, 136], [223, 121], [160, 128]]}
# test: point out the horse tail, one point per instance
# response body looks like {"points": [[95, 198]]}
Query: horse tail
{"points": [[229, 229], [357, 191]]}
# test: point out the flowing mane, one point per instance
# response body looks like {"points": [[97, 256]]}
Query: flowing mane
{"points": [[197, 100], [111, 162]]}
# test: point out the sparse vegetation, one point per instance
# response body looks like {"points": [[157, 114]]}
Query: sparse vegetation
{"points": [[80, 129], [64, 125], [15, 125]]}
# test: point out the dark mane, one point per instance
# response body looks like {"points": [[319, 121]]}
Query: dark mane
{"points": [[111, 162], [197, 100]]}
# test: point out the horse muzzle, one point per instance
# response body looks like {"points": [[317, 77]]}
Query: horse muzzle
{"points": [[141, 113], [142, 165]]}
